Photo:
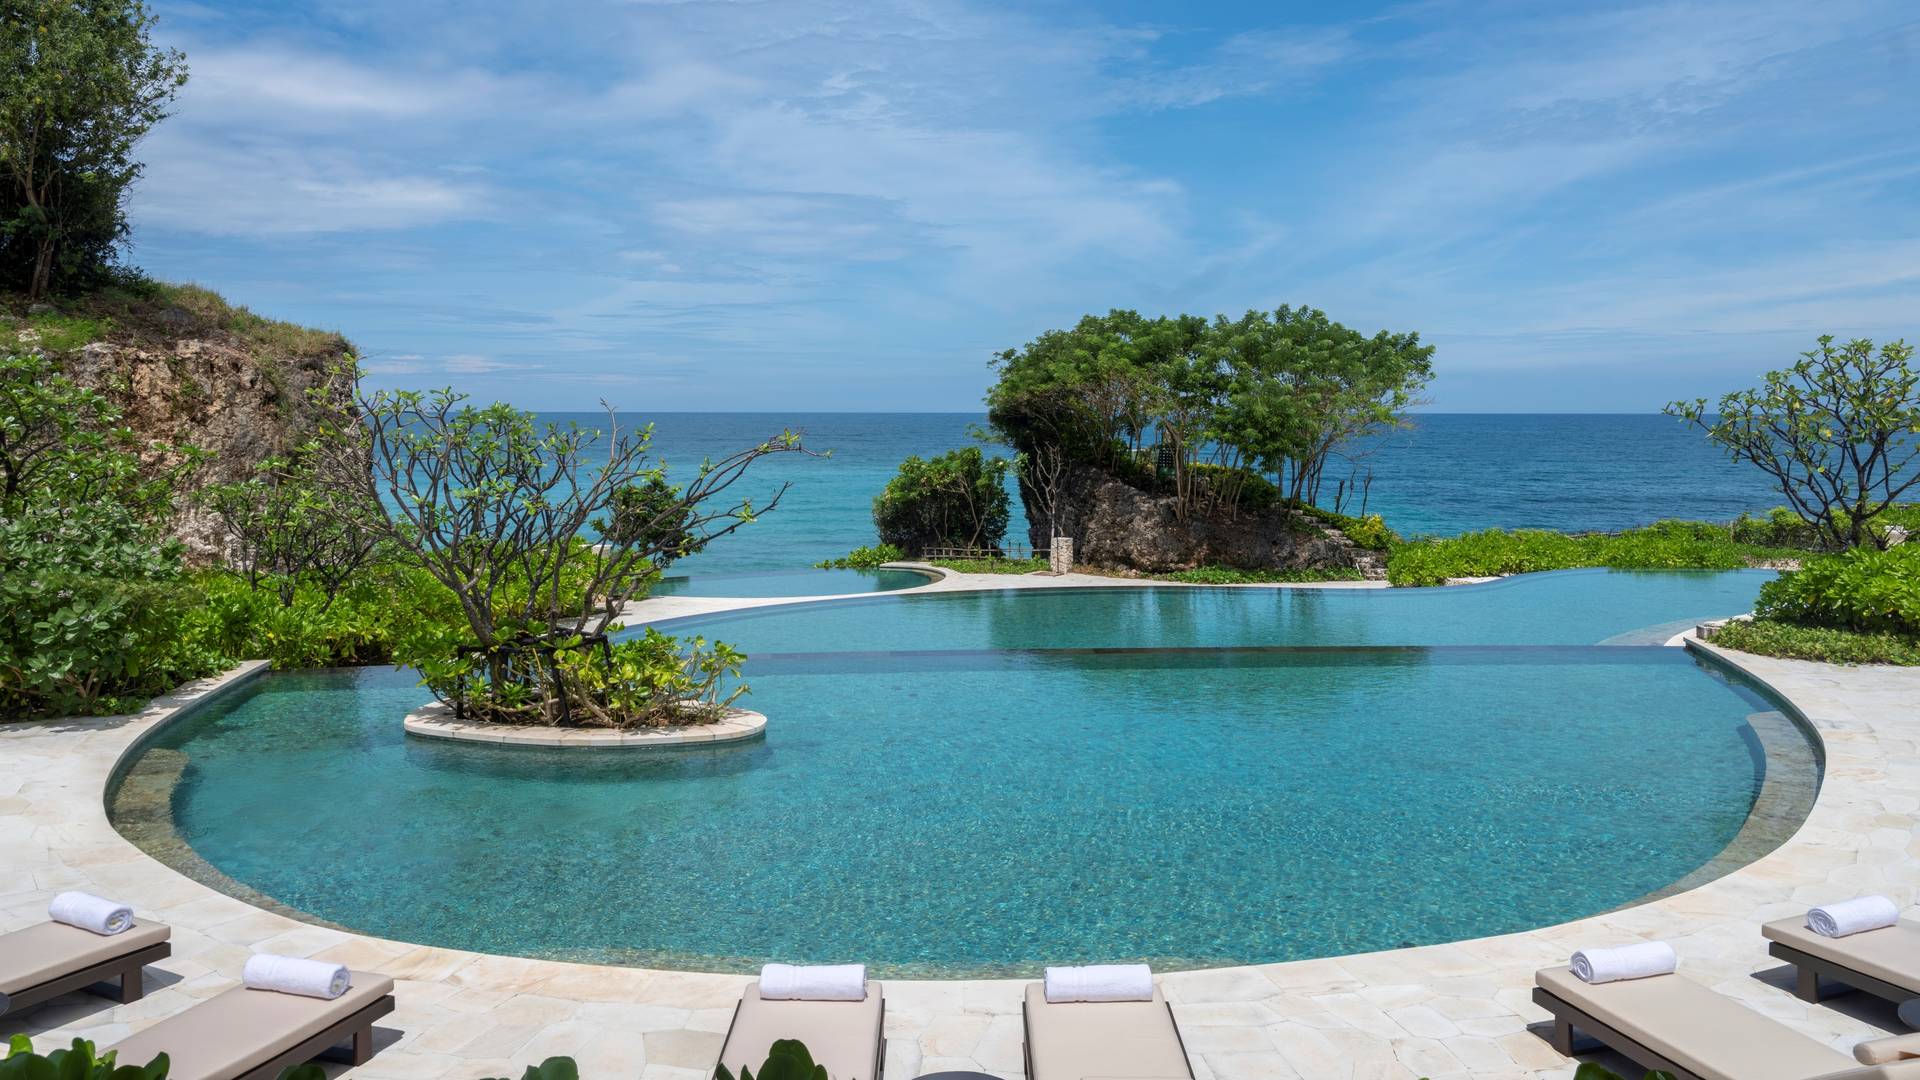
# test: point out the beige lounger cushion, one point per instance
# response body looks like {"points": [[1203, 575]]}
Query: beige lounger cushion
{"points": [[45, 952], [1890, 954], [240, 1030], [1115, 1040], [1701, 1031], [844, 1036]]}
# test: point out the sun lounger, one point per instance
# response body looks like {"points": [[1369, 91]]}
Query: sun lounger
{"points": [[247, 1034], [1671, 1022], [844, 1036], [45, 961], [1884, 962], [1112, 1040]]}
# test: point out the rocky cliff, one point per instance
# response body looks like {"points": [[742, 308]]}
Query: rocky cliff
{"points": [[187, 368], [1116, 525]]}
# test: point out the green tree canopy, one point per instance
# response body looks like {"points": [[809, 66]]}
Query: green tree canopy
{"points": [[957, 499], [1839, 433], [83, 84], [1279, 392]]}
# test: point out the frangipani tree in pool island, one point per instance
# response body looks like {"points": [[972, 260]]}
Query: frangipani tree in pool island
{"points": [[517, 519]]}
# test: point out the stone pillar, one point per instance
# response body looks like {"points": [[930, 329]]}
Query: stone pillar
{"points": [[1060, 555]]}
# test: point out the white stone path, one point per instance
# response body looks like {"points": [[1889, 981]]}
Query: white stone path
{"points": [[1458, 1010]]}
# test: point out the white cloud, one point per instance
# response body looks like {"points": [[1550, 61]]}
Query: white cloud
{"points": [[479, 365]]}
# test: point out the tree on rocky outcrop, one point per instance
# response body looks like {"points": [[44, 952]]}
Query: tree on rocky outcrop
{"points": [[1200, 408], [84, 83]]}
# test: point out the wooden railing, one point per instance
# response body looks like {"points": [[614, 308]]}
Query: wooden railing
{"points": [[1004, 551]]}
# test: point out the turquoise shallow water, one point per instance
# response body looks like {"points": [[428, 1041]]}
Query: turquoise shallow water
{"points": [[954, 785]]}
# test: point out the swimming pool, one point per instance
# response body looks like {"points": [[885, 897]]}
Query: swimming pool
{"points": [[813, 582], [983, 783]]}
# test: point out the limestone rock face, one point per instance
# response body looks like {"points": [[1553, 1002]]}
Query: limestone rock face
{"points": [[233, 398], [1116, 525]]}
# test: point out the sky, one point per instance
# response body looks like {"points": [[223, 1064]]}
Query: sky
{"points": [[680, 205]]}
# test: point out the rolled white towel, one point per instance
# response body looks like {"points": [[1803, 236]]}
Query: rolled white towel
{"points": [[1853, 916], [90, 912], [1100, 982], [1639, 961], [294, 975], [814, 982]]}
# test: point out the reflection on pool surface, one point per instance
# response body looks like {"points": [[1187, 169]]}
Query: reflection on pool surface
{"points": [[970, 784], [791, 583]]}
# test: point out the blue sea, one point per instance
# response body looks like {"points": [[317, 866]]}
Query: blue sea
{"points": [[1450, 473]]}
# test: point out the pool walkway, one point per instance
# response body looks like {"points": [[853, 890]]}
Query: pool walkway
{"points": [[1457, 1010]]}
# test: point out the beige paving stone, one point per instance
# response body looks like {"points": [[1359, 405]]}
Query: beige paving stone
{"points": [[682, 1048]]}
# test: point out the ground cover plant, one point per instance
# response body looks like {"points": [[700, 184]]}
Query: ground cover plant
{"points": [[1666, 545], [1227, 575], [870, 557], [993, 565]]}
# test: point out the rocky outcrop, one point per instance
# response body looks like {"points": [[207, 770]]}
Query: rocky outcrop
{"points": [[1116, 525], [182, 378]]}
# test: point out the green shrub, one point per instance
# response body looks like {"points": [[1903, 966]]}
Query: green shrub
{"points": [[76, 1062], [1782, 527], [90, 606], [1778, 527], [651, 514], [369, 621], [1865, 589], [788, 1059], [1666, 545], [994, 566], [1771, 637], [958, 499], [863, 558], [652, 680], [1227, 575]]}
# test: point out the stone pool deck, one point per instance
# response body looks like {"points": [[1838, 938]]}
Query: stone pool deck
{"points": [[1456, 1010]]}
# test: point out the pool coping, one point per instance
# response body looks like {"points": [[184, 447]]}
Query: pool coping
{"points": [[1455, 1009], [435, 720]]}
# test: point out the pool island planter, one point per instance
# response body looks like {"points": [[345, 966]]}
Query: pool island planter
{"points": [[436, 721]]}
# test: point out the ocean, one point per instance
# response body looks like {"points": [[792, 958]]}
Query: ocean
{"points": [[1450, 473]]}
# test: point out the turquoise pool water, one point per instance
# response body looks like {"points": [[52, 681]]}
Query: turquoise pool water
{"points": [[790, 583], [971, 784]]}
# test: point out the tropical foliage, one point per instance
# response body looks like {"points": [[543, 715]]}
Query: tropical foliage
{"points": [[76, 1062], [83, 85], [91, 589], [1666, 545], [1199, 408], [957, 499], [499, 510], [1865, 590], [1770, 637], [787, 1059], [871, 557], [1227, 575], [1838, 432]]}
